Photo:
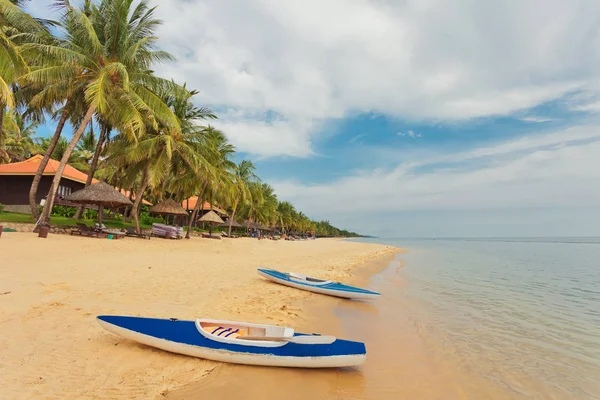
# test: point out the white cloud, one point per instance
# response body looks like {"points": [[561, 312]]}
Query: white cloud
{"points": [[593, 107], [313, 60], [535, 119], [560, 169], [410, 134], [266, 138]]}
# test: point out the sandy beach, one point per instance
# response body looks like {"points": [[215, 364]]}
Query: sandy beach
{"points": [[51, 291]]}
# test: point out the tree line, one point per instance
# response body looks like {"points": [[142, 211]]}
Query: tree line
{"points": [[94, 68]]}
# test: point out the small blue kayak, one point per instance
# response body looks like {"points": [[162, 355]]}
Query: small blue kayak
{"points": [[317, 285], [238, 342]]}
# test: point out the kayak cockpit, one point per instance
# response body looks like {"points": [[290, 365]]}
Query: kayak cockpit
{"points": [[306, 279], [237, 333]]}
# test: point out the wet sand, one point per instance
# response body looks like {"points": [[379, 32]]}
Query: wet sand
{"points": [[404, 362], [229, 381], [51, 346]]}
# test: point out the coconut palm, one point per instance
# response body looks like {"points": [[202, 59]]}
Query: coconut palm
{"points": [[17, 141], [217, 152], [109, 48], [237, 191], [286, 212], [16, 27]]}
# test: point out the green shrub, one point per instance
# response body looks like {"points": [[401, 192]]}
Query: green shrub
{"points": [[147, 219], [1, 208], [90, 214], [63, 211]]}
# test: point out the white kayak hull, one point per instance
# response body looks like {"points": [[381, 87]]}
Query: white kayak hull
{"points": [[326, 287], [215, 354]]}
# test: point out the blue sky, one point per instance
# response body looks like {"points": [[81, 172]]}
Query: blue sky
{"points": [[405, 118]]}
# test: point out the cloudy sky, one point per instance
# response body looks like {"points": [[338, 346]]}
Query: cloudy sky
{"points": [[405, 117]]}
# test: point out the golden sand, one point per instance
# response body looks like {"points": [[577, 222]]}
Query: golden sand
{"points": [[51, 291]]}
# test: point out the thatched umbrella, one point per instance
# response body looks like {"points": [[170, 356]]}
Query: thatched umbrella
{"points": [[212, 218], [234, 224], [168, 207], [102, 195]]}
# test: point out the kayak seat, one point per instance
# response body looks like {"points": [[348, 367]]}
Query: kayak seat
{"points": [[231, 333]]}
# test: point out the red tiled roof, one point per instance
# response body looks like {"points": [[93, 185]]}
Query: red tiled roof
{"points": [[190, 204], [30, 167]]}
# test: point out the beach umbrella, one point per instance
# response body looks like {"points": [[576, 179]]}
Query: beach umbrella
{"points": [[168, 207], [212, 218], [100, 194], [234, 224]]}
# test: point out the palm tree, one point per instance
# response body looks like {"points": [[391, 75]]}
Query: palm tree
{"points": [[217, 151], [95, 150], [157, 157], [109, 48], [16, 27], [287, 212], [18, 143], [238, 190], [84, 151]]}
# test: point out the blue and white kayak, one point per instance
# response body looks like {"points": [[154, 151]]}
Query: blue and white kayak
{"points": [[317, 285], [238, 342]]}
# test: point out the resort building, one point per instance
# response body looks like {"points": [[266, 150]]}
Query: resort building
{"points": [[16, 179]]}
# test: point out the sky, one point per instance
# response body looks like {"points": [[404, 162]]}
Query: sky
{"points": [[409, 118]]}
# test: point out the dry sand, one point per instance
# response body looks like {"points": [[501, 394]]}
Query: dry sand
{"points": [[51, 290]]}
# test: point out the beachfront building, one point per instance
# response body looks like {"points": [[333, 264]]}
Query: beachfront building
{"points": [[190, 204], [16, 179]]}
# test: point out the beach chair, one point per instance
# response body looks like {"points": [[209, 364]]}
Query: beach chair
{"points": [[132, 233], [208, 236], [116, 234], [84, 230]]}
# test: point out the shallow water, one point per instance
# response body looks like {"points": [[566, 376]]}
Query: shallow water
{"points": [[499, 318], [458, 319]]}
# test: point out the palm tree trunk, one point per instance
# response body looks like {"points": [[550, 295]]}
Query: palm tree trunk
{"points": [[195, 212], [127, 213], [63, 163], [38, 175], [232, 215], [135, 210], [93, 166]]}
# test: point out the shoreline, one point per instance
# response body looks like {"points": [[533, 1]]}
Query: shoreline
{"points": [[315, 310], [53, 289]]}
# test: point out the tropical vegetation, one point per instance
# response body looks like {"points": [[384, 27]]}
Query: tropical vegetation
{"points": [[93, 69]]}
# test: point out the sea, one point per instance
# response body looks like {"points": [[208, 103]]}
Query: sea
{"points": [[483, 318], [459, 319]]}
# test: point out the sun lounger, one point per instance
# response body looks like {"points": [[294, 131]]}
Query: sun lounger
{"points": [[84, 230], [207, 236], [132, 233], [116, 234]]}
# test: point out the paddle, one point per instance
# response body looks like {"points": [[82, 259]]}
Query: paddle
{"points": [[308, 339]]}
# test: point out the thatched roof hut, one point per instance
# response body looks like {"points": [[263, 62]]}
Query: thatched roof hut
{"points": [[168, 207], [234, 224], [101, 194], [211, 217]]}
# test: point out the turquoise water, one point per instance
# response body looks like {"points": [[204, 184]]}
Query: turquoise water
{"points": [[524, 314]]}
